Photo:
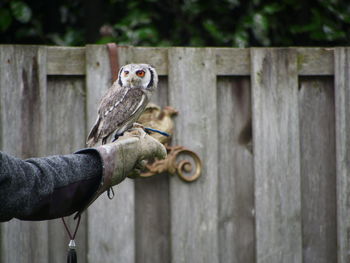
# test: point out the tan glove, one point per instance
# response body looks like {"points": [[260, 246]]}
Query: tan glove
{"points": [[126, 157]]}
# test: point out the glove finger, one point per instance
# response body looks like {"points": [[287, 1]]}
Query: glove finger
{"points": [[153, 148]]}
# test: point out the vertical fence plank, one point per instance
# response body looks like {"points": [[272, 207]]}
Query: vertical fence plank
{"points": [[342, 106], [65, 134], [318, 189], [192, 90], [236, 175], [276, 155], [152, 212], [111, 230], [22, 109]]}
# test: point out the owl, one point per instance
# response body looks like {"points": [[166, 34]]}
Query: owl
{"points": [[124, 102]]}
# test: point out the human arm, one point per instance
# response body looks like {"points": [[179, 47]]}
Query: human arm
{"points": [[48, 187], [57, 186]]}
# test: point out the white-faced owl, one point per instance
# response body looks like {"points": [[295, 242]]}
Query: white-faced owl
{"points": [[124, 102]]}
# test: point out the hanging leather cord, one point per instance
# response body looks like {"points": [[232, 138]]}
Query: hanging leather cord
{"points": [[113, 60], [72, 237]]}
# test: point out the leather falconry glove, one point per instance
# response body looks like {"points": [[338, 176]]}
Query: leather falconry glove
{"points": [[125, 158]]}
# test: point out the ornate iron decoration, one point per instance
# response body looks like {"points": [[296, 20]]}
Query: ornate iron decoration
{"points": [[176, 162]]}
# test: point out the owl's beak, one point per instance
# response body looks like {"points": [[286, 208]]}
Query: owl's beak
{"points": [[129, 82], [133, 81]]}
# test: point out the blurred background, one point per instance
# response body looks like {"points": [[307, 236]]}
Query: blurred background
{"points": [[230, 23]]}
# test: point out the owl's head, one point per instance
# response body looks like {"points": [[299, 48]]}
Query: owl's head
{"points": [[138, 75]]}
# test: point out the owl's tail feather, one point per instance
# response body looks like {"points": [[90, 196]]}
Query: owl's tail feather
{"points": [[92, 138]]}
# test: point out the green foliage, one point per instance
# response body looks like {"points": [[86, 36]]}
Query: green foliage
{"points": [[21, 11], [17, 10], [176, 23], [5, 19]]}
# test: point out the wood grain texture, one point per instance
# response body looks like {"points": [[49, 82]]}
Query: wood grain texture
{"points": [[65, 60], [65, 134], [194, 219], [22, 110], [232, 61], [315, 61], [111, 223], [310, 61], [318, 170], [276, 155], [236, 175], [152, 211], [342, 116]]}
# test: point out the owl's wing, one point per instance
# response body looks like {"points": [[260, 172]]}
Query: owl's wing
{"points": [[94, 135], [121, 110], [114, 93], [92, 138]]}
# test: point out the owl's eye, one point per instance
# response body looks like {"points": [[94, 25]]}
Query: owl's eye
{"points": [[140, 73], [126, 73]]}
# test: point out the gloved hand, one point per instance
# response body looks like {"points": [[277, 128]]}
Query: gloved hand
{"points": [[125, 157]]}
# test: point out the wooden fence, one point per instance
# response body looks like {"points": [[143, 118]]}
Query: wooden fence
{"points": [[283, 198]]}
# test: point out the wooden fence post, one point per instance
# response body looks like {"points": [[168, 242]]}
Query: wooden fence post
{"points": [[342, 110], [66, 118], [276, 155], [192, 90], [23, 134]]}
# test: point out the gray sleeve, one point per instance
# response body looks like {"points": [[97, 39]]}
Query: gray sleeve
{"points": [[48, 187]]}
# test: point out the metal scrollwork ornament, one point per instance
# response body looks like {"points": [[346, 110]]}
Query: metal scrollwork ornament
{"points": [[174, 166], [175, 163]]}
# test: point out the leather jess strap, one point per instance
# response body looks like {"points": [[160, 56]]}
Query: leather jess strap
{"points": [[113, 60]]}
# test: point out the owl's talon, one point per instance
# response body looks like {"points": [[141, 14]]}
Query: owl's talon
{"points": [[116, 136], [138, 125], [142, 132]]}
